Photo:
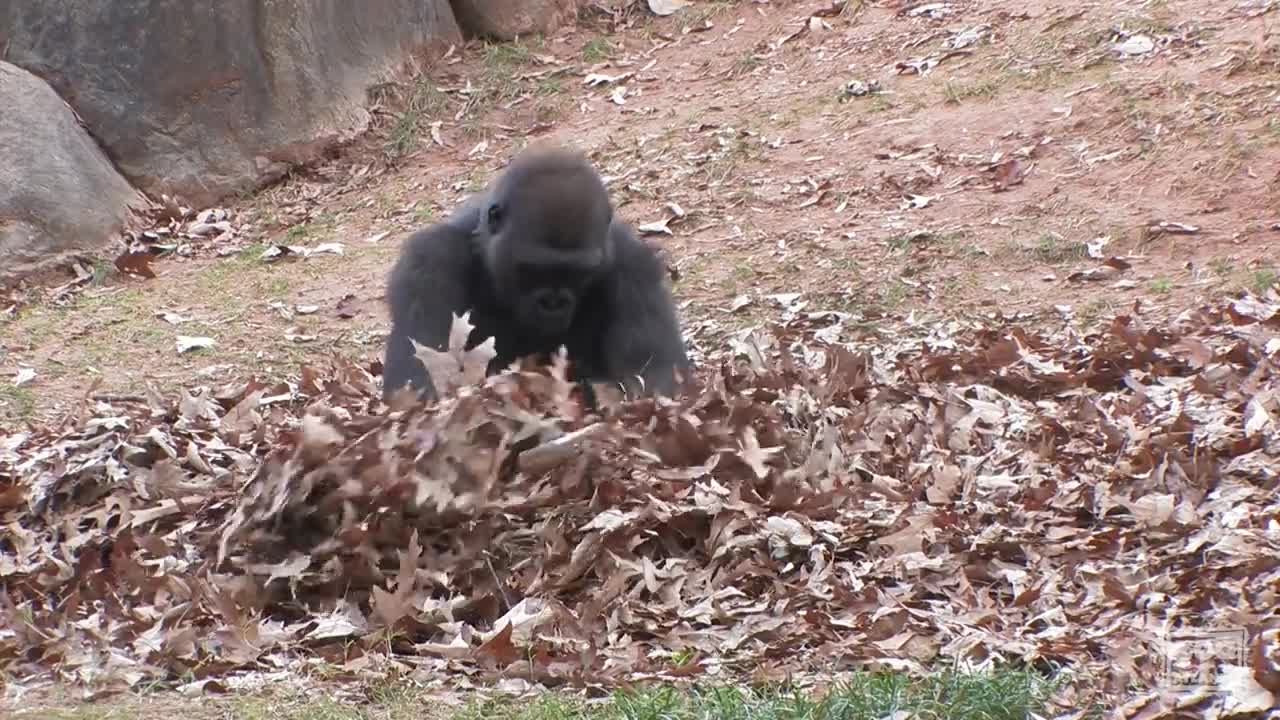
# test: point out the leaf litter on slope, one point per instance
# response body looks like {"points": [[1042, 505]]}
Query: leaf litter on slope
{"points": [[984, 495]]}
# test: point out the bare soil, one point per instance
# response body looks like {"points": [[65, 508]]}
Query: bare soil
{"points": [[1030, 150]]}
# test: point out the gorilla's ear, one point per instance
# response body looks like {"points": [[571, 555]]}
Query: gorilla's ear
{"points": [[493, 217]]}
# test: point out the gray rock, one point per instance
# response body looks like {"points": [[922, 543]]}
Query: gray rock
{"points": [[59, 193], [205, 99], [508, 19]]}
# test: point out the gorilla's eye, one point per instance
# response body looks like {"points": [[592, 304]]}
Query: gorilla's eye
{"points": [[494, 216]]}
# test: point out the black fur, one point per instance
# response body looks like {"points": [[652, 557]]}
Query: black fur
{"points": [[542, 241]]}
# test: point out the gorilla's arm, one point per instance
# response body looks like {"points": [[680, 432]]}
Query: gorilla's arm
{"points": [[643, 336], [427, 286]]}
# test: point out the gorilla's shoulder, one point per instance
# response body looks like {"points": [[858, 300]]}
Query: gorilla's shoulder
{"points": [[634, 256], [434, 244]]}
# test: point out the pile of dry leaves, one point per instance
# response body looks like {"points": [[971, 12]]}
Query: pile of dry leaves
{"points": [[981, 494]]}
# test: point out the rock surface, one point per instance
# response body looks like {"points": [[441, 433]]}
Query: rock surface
{"points": [[508, 19], [59, 193], [202, 100]]}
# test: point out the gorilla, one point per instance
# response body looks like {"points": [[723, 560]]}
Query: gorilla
{"points": [[541, 261]]}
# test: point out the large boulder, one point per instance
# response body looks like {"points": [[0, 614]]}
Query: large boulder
{"points": [[59, 193], [204, 99], [509, 19]]}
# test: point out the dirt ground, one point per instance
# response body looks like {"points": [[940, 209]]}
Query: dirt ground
{"points": [[899, 161]]}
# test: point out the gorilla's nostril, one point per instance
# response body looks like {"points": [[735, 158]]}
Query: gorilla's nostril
{"points": [[553, 301]]}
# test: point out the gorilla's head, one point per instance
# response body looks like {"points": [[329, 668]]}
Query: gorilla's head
{"points": [[546, 230]]}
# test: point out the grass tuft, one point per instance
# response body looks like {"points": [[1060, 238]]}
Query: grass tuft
{"points": [[1001, 695], [1264, 279], [596, 50], [1054, 250], [423, 102], [956, 92], [16, 402], [945, 695]]}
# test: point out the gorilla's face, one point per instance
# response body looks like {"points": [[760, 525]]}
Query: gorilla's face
{"points": [[548, 299], [544, 253]]}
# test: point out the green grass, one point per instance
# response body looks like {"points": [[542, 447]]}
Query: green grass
{"points": [[699, 14], [322, 709], [955, 92], [101, 271], [1221, 267], [320, 225], [947, 695], [683, 656], [745, 63], [547, 86], [16, 402], [1161, 285], [232, 280], [504, 76], [511, 54], [422, 102], [1093, 311], [498, 81], [1053, 250], [903, 242], [893, 294], [251, 253], [879, 103], [1264, 279], [596, 50], [1157, 19], [864, 696]]}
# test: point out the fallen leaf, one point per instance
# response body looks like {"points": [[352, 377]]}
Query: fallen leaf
{"points": [[499, 648], [655, 228], [666, 7], [456, 366], [935, 10], [436, 136], [346, 307], [595, 79], [171, 317], [187, 343], [327, 248], [1242, 693], [1009, 173], [136, 263], [1173, 228], [1135, 45]]}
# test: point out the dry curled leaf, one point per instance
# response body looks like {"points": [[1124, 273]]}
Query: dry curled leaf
{"points": [[1009, 173], [663, 8], [805, 492], [456, 365], [136, 263], [187, 343]]}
